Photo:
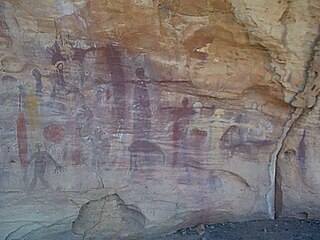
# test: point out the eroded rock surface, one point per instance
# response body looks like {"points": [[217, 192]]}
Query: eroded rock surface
{"points": [[109, 217], [162, 114]]}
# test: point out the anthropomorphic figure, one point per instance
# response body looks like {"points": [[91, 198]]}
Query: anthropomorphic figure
{"points": [[103, 93], [59, 82], [101, 147], [22, 135], [37, 77], [200, 132], [141, 108], [101, 144], [41, 160], [118, 85], [179, 130], [84, 116]]}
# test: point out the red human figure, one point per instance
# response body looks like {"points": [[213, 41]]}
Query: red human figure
{"points": [[181, 120], [22, 138]]}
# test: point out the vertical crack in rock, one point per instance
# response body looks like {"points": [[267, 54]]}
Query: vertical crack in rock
{"points": [[99, 219], [278, 192], [274, 195], [310, 62], [89, 220], [306, 97], [276, 185], [271, 195]]}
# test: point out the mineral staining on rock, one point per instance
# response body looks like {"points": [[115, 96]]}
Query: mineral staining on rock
{"points": [[150, 116]]}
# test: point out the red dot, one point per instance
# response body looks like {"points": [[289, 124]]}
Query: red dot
{"points": [[53, 133]]}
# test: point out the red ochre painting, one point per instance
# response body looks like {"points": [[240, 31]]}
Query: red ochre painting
{"points": [[54, 133]]}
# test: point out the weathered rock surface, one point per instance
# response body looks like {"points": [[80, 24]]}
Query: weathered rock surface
{"points": [[299, 158], [109, 217], [137, 118]]}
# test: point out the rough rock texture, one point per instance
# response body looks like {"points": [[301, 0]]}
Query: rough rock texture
{"points": [[138, 117], [298, 160], [109, 217]]}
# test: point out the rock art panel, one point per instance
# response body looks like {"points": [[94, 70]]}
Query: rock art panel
{"points": [[161, 114]]}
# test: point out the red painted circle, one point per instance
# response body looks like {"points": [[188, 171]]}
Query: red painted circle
{"points": [[53, 133]]}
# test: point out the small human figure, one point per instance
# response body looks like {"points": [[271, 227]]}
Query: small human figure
{"points": [[41, 159], [101, 147], [120, 133], [141, 108], [103, 94], [37, 76], [59, 82], [199, 124], [198, 128], [200, 133], [101, 144], [84, 115]]}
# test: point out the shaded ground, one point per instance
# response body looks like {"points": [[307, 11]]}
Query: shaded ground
{"points": [[253, 230]]}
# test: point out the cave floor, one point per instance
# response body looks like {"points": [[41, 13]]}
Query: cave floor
{"points": [[292, 229]]}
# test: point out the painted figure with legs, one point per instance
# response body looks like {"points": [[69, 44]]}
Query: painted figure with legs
{"points": [[41, 159]]}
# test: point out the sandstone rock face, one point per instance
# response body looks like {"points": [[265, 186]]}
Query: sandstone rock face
{"points": [[298, 159], [130, 119], [109, 217]]}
